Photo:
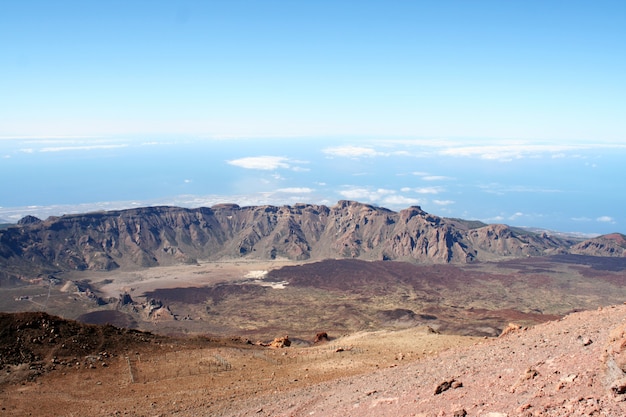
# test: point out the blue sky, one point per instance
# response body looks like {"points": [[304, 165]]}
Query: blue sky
{"points": [[503, 111]]}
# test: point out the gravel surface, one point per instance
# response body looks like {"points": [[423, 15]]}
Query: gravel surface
{"points": [[569, 367]]}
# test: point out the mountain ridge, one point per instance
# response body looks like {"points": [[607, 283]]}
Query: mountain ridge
{"points": [[164, 235]]}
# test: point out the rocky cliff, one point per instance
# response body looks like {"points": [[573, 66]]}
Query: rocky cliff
{"points": [[613, 244], [151, 236]]}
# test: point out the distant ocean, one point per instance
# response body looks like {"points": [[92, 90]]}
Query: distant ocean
{"points": [[571, 191]]}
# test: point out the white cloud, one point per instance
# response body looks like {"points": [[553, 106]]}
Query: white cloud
{"points": [[385, 197], [355, 194], [491, 149], [158, 143], [443, 202], [605, 219], [187, 181], [355, 152], [494, 153], [351, 151], [46, 138], [398, 200], [428, 190], [269, 163], [510, 150], [81, 148], [365, 194], [436, 178], [516, 215], [266, 163], [295, 190], [429, 177], [499, 189]]}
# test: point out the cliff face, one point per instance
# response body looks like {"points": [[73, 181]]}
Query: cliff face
{"points": [[607, 245], [153, 236]]}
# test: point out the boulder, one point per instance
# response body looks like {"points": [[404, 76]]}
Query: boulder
{"points": [[321, 337], [280, 342]]}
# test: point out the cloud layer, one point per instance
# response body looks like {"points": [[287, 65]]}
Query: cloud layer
{"points": [[558, 186]]}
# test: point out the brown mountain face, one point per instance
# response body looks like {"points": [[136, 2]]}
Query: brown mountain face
{"points": [[613, 244], [151, 236]]}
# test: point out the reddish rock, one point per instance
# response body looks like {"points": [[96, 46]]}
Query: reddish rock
{"points": [[321, 337]]}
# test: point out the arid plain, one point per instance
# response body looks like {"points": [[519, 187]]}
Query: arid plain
{"points": [[261, 300], [415, 317], [213, 312]]}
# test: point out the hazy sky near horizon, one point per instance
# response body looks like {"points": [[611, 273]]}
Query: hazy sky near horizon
{"points": [[504, 111]]}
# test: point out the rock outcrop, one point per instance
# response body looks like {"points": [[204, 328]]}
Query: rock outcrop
{"points": [[152, 236], [321, 337], [607, 245], [280, 342]]}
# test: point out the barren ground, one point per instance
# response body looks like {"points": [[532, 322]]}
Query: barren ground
{"points": [[568, 367], [382, 359], [204, 377]]}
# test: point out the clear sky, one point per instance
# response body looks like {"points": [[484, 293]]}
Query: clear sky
{"points": [[499, 69], [521, 99]]}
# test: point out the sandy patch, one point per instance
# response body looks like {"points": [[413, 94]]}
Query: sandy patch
{"points": [[114, 283]]}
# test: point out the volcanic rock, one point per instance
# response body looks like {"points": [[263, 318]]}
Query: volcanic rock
{"points": [[606, 245], [280, 342], [321, 337], [152, 236], [26, 220], [512, 327]]}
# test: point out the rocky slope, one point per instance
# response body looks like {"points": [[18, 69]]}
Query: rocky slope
{"points": [[151, 236], [575, 366], [571, 367], [607, 245]]}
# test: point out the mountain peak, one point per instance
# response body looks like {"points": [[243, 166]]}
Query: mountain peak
{"points": [[28, 220], [618, 238], [143, 237]]}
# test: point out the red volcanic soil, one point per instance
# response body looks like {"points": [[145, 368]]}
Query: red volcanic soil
{"points": [[569, 367], [617, 238]]}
